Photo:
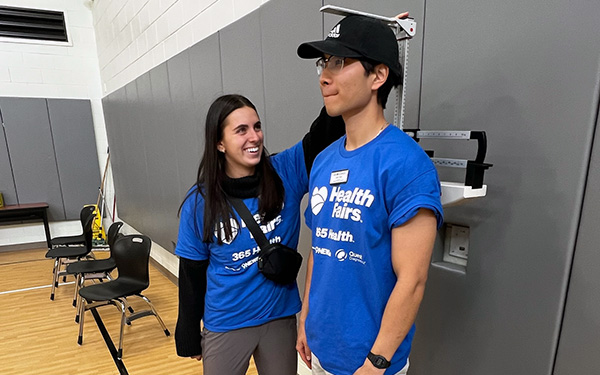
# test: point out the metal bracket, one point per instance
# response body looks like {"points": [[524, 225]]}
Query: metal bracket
{"points": [[475, 168], [406, 25]]}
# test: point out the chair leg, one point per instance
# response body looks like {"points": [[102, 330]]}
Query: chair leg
{"points": [[82, 303], [77, 280], [123, 320], [128, 307], [155, 313], [79, 299], [55, 277]]}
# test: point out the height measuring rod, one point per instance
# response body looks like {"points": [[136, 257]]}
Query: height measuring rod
{"points": [[404, 29]]}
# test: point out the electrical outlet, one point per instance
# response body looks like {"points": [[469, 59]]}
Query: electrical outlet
{"points": [[456, 249]]}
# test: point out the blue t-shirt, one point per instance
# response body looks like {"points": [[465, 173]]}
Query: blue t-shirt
{"points": [[357, 197], [237, 295]]}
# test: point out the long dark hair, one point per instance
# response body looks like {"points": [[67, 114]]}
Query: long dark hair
{"points": [[211, 174]]}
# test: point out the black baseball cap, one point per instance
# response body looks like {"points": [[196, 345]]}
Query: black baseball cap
{"points": [[357, 37]]}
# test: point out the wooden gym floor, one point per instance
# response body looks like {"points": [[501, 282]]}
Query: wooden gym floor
{"points": [[38, 335]]}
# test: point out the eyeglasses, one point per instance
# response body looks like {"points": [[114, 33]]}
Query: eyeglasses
{"points": [[332, 63]]}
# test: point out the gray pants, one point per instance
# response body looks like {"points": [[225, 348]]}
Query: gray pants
{"points": [[272, 345]]}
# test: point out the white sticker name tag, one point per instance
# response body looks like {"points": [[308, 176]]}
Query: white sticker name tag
{"points": [[338, 177]]}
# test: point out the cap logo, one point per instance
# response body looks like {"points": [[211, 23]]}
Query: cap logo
{"points": [[335, 32]]}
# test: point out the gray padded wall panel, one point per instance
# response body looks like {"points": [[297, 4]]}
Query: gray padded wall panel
{"points": [[134, 121], [7, 183], [292, 95], [241, 61], [162, 159], [186, 127], [126, 148], [291, 84], [73, 134], [137, 196], [509, 70], [29, 136], [156, 127], [207, 82], [579, 340], [111, 105]]}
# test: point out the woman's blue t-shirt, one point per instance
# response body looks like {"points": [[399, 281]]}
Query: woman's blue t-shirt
{"points": [[237, 295]]}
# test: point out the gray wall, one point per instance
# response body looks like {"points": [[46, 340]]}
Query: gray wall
{"points": [[155, 124], [579, 341], [52, 151], [513, 71], [526, 73], [7, 181]]}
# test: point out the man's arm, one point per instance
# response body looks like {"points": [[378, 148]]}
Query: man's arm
{"points": [[301, 343], [412, 245]]}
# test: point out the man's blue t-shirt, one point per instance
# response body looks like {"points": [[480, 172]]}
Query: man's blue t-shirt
{"points": [[237, 295], [357, 198]]}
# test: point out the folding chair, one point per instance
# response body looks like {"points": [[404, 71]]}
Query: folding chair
{"points": [[132, 254]]}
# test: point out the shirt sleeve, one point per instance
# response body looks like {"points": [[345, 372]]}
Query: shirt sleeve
{"points": [[192, 289], [290, 167], [189, 239], [423, 191]]}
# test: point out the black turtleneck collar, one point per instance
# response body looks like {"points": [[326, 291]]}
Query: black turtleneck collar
{"points": [[245, 187]]}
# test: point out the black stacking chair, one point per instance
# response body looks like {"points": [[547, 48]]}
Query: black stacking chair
{"points": [[66, 254], [84, 214], [95, 269], [132, 254]]}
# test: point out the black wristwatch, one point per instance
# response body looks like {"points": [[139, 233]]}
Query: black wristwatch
{"points": [[378, 361]]}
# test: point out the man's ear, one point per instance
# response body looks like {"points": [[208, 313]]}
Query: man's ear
{"points": [[381, 74]]}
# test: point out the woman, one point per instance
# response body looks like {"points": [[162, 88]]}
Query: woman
{"points": [[244, 314]]}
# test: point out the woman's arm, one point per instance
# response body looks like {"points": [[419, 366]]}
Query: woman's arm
{"points": [[192, 289]]}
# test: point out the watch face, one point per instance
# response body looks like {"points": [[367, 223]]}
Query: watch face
{"points": [[378, 361]]}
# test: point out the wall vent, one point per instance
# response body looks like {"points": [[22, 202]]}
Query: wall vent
{"points": [[32, 24]]}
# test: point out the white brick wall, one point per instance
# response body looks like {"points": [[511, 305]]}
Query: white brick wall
{"points": [[47, 70], [133, 36], [32, 69]]}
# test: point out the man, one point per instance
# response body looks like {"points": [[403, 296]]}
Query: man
{"points": [[374, 211]]}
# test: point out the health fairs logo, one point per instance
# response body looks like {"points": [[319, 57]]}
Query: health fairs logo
{"points": [[220, 231], [346, 203], [235, 228]]}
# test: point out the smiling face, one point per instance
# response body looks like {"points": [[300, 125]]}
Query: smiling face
{"points": [[242, 142]]}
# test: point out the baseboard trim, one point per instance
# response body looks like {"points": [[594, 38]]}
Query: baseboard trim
{"points": [[164, 271], [24, 246]]}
